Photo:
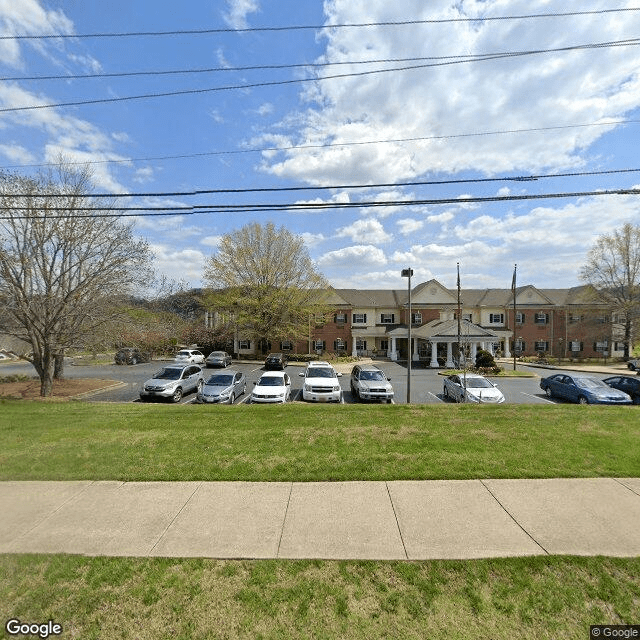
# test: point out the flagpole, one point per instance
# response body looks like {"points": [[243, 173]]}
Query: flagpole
{"points": [[513, 289], [459, 316]]}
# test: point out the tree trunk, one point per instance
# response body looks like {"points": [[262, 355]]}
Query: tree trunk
{"points": [[58, 370], [43, 364]]}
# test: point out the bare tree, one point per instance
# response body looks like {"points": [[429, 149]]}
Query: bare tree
{"points": [[613, 270], [64, 267], [265, 278]]}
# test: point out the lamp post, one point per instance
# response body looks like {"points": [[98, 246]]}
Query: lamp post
{"points": [[407, 273]]}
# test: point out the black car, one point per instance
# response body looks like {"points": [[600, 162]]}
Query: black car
{"points": [[275, 361], [634, 365], [631, 386], [131, 355]]}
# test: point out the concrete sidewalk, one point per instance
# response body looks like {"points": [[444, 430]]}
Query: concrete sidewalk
{"points": [[402, 520]]}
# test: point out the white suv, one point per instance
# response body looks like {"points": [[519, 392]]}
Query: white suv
{"points": [[321, 383]]}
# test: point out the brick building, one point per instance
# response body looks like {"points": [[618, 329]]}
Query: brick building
{"points": [[557, 322]]}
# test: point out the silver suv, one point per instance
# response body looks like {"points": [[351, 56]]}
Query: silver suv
{"points": [[370, 383], [173, 382]]}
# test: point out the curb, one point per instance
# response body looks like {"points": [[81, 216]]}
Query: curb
{"points": [[88, 394]]}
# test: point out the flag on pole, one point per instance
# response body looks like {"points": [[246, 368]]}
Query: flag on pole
{"points": [[458, 265], [513, 280]]}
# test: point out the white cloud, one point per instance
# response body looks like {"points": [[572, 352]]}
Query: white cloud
{"points": [[355, 257], [238, 10], [524, 92], [367, 230], [409, 226], [179, 264], [211, 241], [143, 174], [312, 239], [265, 109], [16, 153]]}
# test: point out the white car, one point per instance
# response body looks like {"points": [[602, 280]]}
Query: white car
{"points": [[471, 387], [186, 356], [273, 386], [321, 383]]}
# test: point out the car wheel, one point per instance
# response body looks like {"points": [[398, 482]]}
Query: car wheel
{"points": [[200, 386], [582, 400], [177, 395], [134, 360], [548, 392]]}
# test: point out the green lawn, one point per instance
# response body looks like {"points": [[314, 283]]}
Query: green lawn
{"points": [[62, 441], [195, 599], [171, 599]]}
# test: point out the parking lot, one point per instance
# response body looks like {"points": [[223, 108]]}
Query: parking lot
{"points": [[426, 384]]}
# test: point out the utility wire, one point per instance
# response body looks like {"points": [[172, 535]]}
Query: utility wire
{"points": [[333, 187], [306, 207], [328, 145], [164, 94], [399, 23], [319, 65]]}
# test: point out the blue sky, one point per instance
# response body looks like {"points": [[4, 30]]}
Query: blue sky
{"points": [[553, 112]]}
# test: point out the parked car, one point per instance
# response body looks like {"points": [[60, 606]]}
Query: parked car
{"points": [[223, 388], [471, 387], [277, 361], [634, 365], [189, 355], [321, 383], [582, 389], [631, 386], [218, 359], [173, 382], [274, 386], [131, 355], [368, 382]]}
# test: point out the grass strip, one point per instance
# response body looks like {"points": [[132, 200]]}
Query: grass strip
{"points": [[157, 599], [298, 442]]}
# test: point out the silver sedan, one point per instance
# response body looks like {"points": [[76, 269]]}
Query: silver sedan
{"points": [[223, 388]]}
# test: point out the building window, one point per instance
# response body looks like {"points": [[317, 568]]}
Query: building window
{"points": [[319, 319], [387, 318], [359, 318], [519, 346], [464, 316], [339, 345], [542, 318], [575, 346], [244, 344], [542, 345], [384, 345], [519, 318], [361, 345], [340, 318], [496, 318], [573, 319], [601, 346], [416, 318], [619, 346], [286, 345], [318, 345]]}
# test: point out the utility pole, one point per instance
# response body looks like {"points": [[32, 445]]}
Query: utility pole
{"points": [[407, 273]]}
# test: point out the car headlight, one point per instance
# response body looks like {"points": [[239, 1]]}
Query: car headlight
{"points": [[307, 387], [336, 388]]}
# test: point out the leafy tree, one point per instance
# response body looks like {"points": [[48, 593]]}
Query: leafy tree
{"points": [[265, 280], [613, 270], [65, 268]]}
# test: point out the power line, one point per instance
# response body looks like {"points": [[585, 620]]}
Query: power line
{"points": [[333, 187], [399, 23], [164, 94], [319, 65], [309, 207], [328, 145]]}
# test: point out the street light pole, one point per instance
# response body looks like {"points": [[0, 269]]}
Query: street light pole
{"points": [[407, 273]]}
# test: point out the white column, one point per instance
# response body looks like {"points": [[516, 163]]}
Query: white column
{"points": [[507, 353], [474, 351], [434, 355], [449, 363], [393, 354], [416, 355], [354, 352]]}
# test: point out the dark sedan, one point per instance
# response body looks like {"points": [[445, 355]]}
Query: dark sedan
{"points": [[275, 361], [131, 355], [631, 386], [582, 389], [218, 359]]}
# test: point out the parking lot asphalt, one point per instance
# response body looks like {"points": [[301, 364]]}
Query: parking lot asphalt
{"points": [[426, 383]]}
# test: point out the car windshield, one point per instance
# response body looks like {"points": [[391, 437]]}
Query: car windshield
{"points": [[371, 375], [478, 383], [183, 353], [168, 374], [220, 381], [321, 372], [590, 383], [270, 381], [217, 354]]}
